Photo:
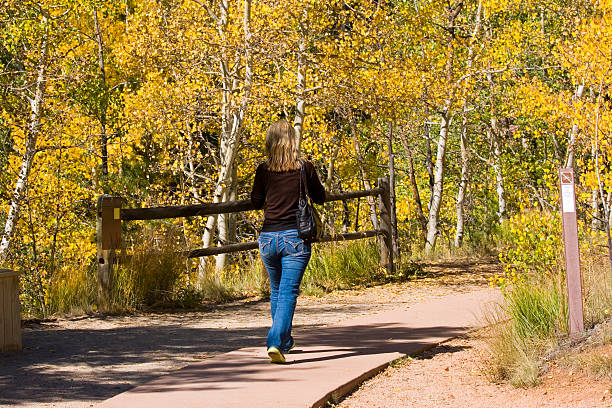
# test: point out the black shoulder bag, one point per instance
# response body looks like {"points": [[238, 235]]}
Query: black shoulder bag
{"points": [[308, 220]]}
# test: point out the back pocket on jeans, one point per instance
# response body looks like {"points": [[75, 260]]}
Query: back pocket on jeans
{"points": [[295, 245], [265, 246]]}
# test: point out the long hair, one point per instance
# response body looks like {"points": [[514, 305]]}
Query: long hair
{"points": [[281, 147]]}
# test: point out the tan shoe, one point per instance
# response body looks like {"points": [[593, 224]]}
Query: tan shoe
{"points": [[276, 356]]}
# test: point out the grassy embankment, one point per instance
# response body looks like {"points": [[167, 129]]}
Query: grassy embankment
{"points": [[531, 330]]}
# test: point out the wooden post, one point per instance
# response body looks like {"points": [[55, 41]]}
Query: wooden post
{"points": [[572, 251], [109, 240], [10, 311], [386, 247]]}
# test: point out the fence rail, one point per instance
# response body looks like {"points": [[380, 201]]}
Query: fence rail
{"points": [[199, 210], [110, 214], [246, 246]]}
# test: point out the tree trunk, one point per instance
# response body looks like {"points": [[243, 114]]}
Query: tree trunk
{"points": [[226, 225], [298, 122], [436, 194], [462, 184], [460, 226], [429, 163], [573, 133], [232, 119], [102, 118], [607, 214], [596, 220], [364, 173], [33, 130], [499, 179], [415, 188], [392, 199], [329, 178], [438, 185]]}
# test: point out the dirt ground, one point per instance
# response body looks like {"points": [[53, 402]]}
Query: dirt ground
{"points": [[81, 361], [454, 375]]}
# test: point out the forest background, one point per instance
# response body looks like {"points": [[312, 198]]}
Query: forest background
{"points": [[166, 102]]}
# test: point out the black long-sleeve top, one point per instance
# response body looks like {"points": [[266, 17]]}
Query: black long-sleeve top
{"points": [[280, 192]]}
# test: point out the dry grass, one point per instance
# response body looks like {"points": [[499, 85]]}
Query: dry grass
{"points": [[533, 324]]}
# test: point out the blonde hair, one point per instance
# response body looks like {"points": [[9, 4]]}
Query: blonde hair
{"points": [[281, 147]]}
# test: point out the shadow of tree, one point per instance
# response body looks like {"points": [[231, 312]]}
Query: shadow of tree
{"points": [[325, 344], [94, 364], [112, 360]]}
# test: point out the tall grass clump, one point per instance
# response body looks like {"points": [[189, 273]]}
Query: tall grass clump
{"points": [[343, 265], [73, 291], [534, 311], [534, 319], [151, 273], [525, 331]]}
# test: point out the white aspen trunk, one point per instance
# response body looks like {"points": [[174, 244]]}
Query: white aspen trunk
{"points": [[232, 120], [573, 133], [30, 149], [462, 185], [596, 220], [438, 186], [222, 238], [499, 179], [298, 122], [460, 226], [430, 167], [226, 224], [607, 214]]}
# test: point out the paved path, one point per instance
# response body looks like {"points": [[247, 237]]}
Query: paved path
{"points": [[327, 363]]}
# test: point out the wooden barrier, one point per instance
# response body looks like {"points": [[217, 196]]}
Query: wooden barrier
{"points": [[10, 311], [110, 214]]}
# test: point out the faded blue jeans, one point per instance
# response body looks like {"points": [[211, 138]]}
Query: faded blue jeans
{"points": [[285, 256]]}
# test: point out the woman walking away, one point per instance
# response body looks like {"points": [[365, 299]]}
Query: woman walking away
{"points": [[279, 181]]}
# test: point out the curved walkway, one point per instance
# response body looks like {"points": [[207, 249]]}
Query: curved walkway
{"points": [[330, 362], [80, 362]]}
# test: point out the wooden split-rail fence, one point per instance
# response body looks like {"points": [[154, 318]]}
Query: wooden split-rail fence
{"points": [[110, 215]]}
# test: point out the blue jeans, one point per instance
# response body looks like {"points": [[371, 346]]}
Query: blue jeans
{"points": [[285, 256]]}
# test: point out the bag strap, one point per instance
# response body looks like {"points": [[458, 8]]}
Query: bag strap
{"points": [[303, 177]]}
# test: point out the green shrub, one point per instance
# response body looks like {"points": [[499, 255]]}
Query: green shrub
{"points": [[533, 247]]}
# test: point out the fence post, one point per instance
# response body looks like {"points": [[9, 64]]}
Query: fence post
{"points": [[108, 228], [10, 311], [386, 247]]}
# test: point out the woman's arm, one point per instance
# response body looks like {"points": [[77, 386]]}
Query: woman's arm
{"points": [[258, 194], [315, 188]]}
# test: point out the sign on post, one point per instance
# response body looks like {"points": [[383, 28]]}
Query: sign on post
{"points": [[572, 250], [109, 214]]}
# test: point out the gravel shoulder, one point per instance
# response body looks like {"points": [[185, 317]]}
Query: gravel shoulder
{"points": [[453, 374], [80, 361]]}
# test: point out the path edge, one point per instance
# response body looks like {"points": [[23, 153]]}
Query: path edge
{"points": [[336, 396]]}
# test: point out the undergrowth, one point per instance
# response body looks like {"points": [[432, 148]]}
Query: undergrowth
{"points": [[533, 321], [151, 273]]}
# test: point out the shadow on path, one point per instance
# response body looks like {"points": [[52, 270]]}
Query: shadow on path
{"points": [[108, 361], [322, 345]]}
